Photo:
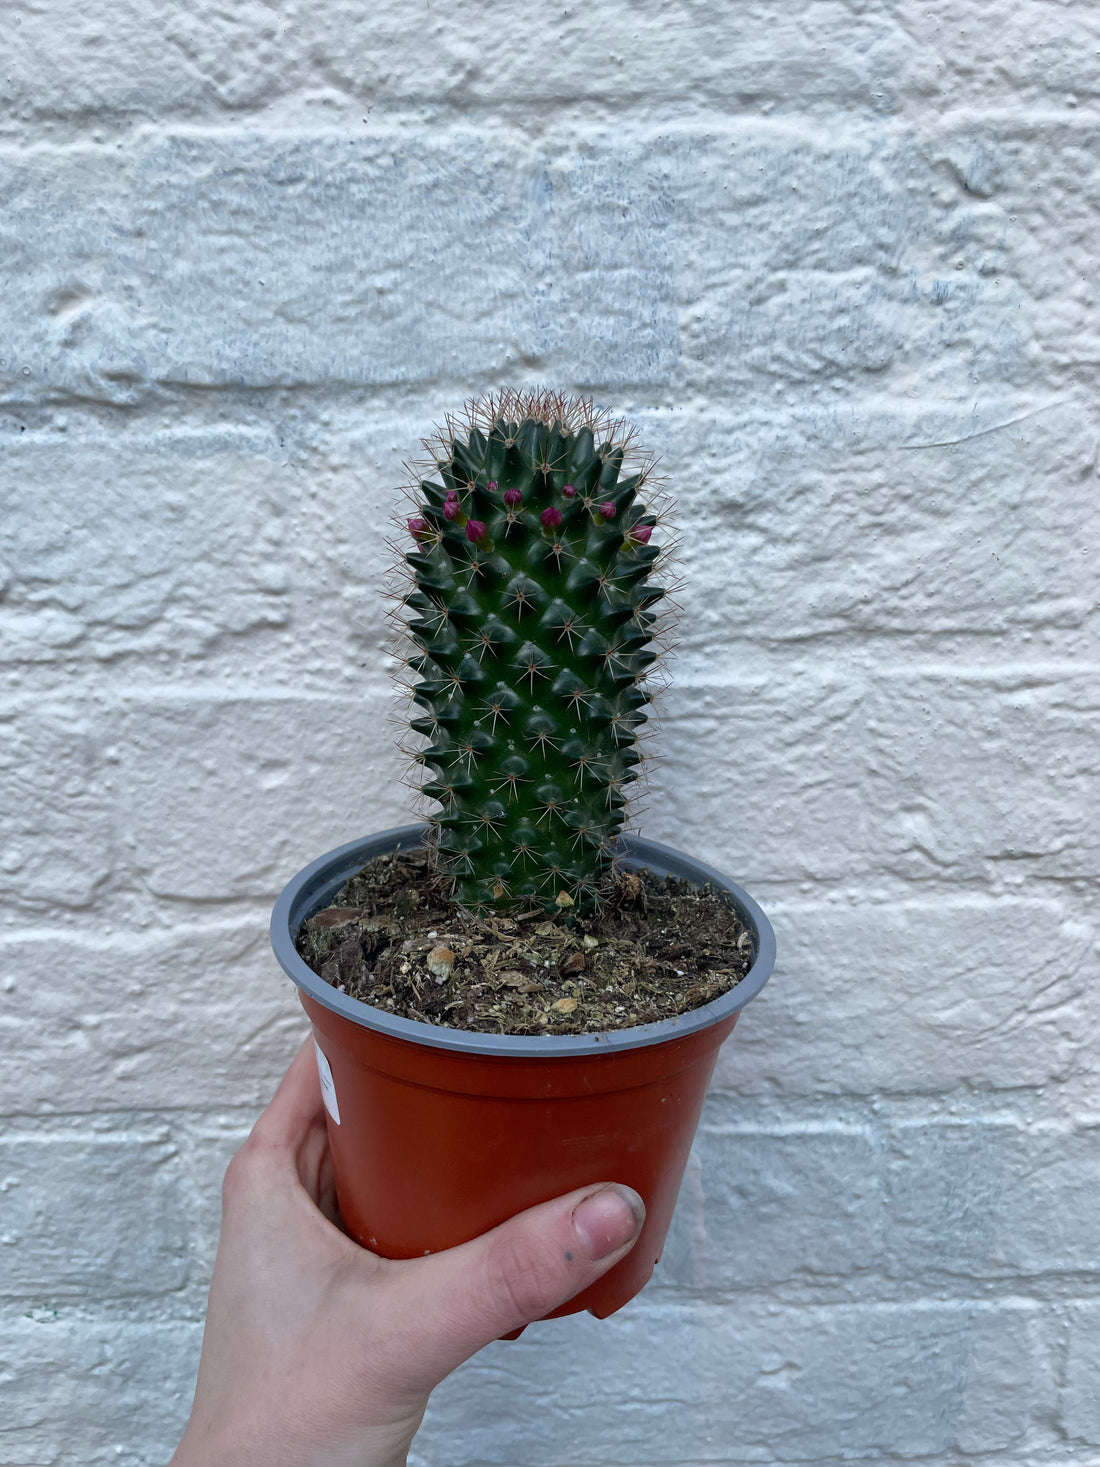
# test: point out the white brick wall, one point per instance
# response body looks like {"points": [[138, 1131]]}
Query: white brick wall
{"points": [[839, 262]]}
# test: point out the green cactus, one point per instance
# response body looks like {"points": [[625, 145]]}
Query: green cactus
{"points": [[534, 633]]}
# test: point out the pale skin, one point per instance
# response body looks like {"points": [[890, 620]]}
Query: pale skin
{"points": [[316, 1352]]}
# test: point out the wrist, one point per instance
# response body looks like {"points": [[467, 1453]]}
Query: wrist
{"points": [[375, 1447]]}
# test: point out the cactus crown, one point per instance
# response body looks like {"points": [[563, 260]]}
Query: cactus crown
{"points": [[533, 625]]}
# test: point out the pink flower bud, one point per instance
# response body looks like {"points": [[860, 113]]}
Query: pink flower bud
{"points": [[550, 518], [512, 497], [640, 534], [608, 510], [475, 531], [569, 490], [493, 485], [451, 510], [418, 527]]}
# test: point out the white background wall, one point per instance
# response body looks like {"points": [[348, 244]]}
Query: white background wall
{"points": [[838, 261]]}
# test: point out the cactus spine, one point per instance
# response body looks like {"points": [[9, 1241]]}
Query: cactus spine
{"points": [[533, 626]]}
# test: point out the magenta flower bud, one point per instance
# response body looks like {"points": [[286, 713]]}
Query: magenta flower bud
{"points": [[512, 497], [493, 485], [550, 518], [608, 510], [475, 531], [451, 510], [418, 527], [569, 490], [452, 493]]}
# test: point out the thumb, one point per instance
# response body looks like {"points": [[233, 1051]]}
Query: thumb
{"points": [[457, 1301]]}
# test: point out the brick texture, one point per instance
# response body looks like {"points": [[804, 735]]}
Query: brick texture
{"points": [[899, 1381], [128, 1183], [837, 260]]}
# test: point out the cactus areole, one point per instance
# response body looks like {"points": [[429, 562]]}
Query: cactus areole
{"points": [[534, 615]]}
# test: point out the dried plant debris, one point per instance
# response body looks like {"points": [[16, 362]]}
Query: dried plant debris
{"points": [[656, 947]]}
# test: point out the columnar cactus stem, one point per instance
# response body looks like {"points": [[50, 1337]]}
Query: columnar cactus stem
{"points": [[533, 626]]}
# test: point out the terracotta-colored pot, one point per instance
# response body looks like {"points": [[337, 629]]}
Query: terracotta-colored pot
{"points": [[438, 1134]]}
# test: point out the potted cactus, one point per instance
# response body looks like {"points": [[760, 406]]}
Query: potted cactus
{"points": [[534, 606]]}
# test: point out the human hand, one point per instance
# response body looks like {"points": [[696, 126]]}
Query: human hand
{"points": [[316, 1352]]}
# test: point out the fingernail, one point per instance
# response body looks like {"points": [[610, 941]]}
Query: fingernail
{"points": [[607, 1220]]}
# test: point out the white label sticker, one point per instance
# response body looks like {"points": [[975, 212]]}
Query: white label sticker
{"points": [[328, 1089]]}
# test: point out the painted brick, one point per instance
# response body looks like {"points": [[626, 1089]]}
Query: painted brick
{"points": [[161, 550], [1000, 778], [853, 277], [349, 217], [923, 999], [81, 1393], [229, 797], [191, 1018], [761, 1208], [90, 1216], [198, 796], [257, 563], [791, 806], [229, 554], [1079, 1413], [966, 776], [799, 58], [962, 517], [1050, 264], [992, 1201], [658, 1385], [195, 579], [923, 777], [57, 840]]}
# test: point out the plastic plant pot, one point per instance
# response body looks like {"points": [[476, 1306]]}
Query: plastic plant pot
{"points": [[439, 1134]]}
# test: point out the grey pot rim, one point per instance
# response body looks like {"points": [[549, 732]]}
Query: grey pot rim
{"points": [[314, 887]]}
